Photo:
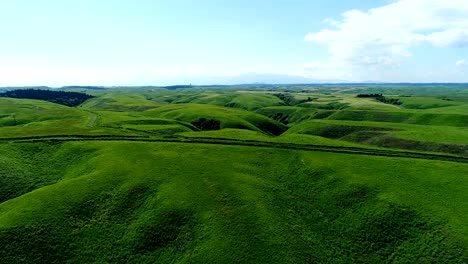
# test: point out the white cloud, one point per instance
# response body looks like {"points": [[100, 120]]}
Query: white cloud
{"points": [[462, 63], [382, 38]]}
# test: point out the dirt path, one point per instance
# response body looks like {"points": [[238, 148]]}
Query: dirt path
{"points": [[92, 121]]}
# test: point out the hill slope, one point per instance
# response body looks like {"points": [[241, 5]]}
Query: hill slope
{"points": [[168, 202], [210, 175], [227, 117]]}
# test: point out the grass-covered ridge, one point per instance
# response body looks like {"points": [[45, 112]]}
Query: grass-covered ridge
{"points": [[228, 117], [255, 204], [392, 135], [271, 174]]}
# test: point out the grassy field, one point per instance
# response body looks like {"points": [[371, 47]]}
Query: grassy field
{"points": [[135, 202], [236, 175]]}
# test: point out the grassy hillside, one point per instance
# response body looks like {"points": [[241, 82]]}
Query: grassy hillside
{"points": [[136, 202], [393, 135], [121, 102], [420, 118], [25, 117], [243, 100], [288, 114], [228, 117], [426, 102], [236, 175], [247, 101]]}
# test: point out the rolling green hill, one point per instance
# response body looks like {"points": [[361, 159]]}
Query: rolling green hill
{"points": [[144, 202], [228, 117], [236, 175], [420, 118], [25, 117]]}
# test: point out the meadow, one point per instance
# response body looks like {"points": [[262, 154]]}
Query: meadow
{"points": [[242, 174]]}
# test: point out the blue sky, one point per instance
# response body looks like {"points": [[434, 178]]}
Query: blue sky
{"points": [[151, 42]]}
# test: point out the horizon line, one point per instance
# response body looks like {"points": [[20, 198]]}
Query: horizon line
{"points": [[238, 84]]}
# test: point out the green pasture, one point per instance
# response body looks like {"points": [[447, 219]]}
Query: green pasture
{"points": [[23, 118], [145, 192], [155, 202], [228, 117]]}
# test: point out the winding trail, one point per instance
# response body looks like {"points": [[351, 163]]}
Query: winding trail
{"points": [[93, 120], [250, 143]]}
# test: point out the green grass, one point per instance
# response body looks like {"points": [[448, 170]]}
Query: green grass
{"points": [[247, 135], [124, 200], [121, 102], [333, 130], [23, 118], [242, 100], [159, 129], [136, 202], [229, 117], [254, 101], [419, 118], [367, 104], [288, 114], [425, 102], [391, 135], [31, 166], [247, 101], [440, 134], [230, 133]]}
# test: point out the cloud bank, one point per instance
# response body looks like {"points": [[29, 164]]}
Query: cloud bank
{"points": [[381, 38], [462, 63]]}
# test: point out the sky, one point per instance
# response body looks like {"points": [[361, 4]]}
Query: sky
{"points": [[156, 42]]}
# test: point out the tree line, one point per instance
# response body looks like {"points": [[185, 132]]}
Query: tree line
{"points": [[369, 95], [381, 98], [58, 97]]}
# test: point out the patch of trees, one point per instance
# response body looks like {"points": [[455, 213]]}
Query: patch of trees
{"points": [[381, 98], [232, 104], [289, 99], [369, 95], [393, 101], [58, 97], [207, 124], [446, 99]]}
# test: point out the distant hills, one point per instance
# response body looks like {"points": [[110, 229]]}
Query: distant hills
{"points": [[242, 79], [250, 78]]}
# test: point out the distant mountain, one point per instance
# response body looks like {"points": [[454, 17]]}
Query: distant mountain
{"points": [[83, 87], [250, 78], [373, 82], [276, 79]]}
